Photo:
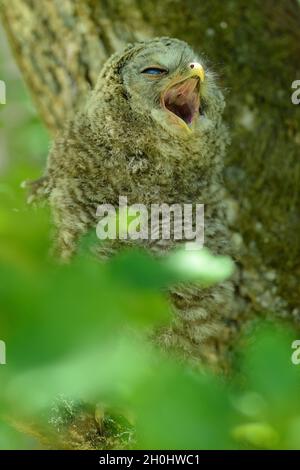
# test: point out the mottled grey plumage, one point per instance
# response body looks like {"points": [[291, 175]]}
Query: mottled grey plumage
{"points": [[125, 142]]}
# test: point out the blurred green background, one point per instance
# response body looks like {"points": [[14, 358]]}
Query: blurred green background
{"points": [[75, 337]]}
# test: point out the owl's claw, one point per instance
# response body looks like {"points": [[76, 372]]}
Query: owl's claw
{"points": [[99, 417]]}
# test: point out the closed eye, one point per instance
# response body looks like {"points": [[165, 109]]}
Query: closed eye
{"points": [[154, 71]]}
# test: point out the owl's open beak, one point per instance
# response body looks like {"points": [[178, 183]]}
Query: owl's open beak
{"points": [[181, 99]]}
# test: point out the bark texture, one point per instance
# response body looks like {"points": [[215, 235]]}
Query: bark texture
{"points": [[60, 46]]}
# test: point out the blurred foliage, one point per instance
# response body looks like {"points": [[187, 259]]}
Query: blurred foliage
{"points": [[80, 331]]}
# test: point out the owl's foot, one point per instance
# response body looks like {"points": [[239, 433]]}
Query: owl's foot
{"points": [[99, 417]]}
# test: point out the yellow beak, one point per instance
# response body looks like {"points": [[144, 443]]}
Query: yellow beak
{"points": [[198, 70]]}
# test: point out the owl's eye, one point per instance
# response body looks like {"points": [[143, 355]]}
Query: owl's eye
{"points": [[154, 71]]}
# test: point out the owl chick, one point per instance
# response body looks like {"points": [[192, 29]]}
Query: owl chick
{"points": [[151, 130]]}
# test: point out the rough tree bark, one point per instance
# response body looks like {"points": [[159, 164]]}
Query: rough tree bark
{"points": [[60, 46]]}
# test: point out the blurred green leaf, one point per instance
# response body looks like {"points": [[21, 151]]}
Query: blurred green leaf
{"points": [[200, 266]]}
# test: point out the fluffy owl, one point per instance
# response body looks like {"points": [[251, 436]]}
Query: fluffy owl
{"points": [[151, 130]]}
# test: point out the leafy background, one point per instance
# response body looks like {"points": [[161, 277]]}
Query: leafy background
{"points": [[75, 336]]}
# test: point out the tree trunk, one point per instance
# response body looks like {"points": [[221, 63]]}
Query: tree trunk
{"points": [[60, 46]]}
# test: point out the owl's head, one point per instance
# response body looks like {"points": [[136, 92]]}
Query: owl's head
{"points": [[165, 80]]}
